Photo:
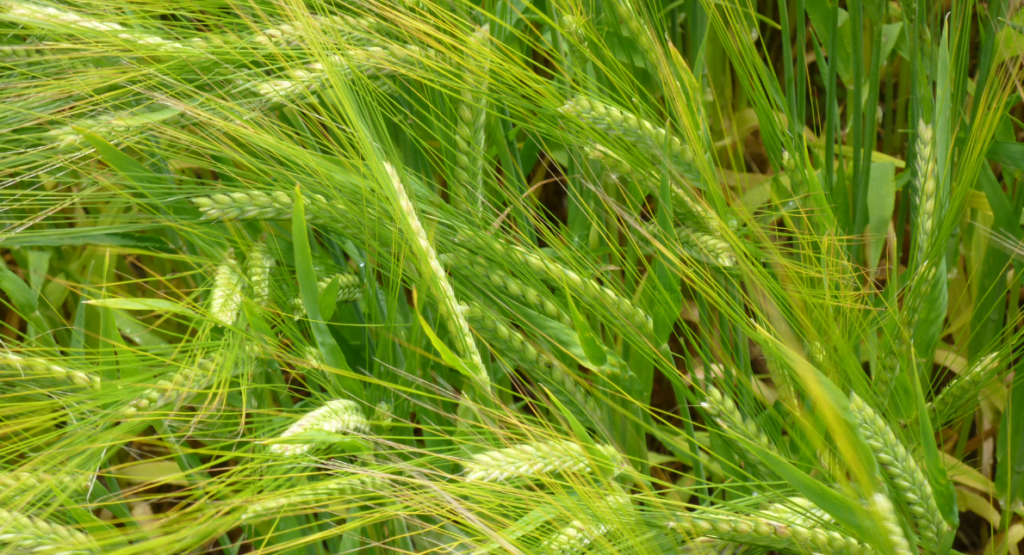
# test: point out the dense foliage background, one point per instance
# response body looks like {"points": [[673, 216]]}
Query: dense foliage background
{"points": [[567, 276]]}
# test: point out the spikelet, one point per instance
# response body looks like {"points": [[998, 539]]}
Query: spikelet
{"points": [[959, 392], [707, 247], [346, 489], [350, 289], [257, 269], [687, 209], [226, 297], [255, 205], [515, 288], [799, 511], [337, 416], [767, 533], [705, 545], [25, 534], [535, 460], [174, 387], [109, 124], [26, 481], [373, 62], [613, 121], [512, 344], [76, 377], [47, 16], [470, 136], [588, 289], [725, 413], [886, 515], [429, 267], [926, 189], [575, 537], [899, 467], [383, 416]]}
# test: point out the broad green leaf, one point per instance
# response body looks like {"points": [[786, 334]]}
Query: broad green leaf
{"points": [[881, 200], [85, 237], [942, 486], [1010, 447], [605, 466], [328, 298], [155, 305], [17, 290], [310, 293], [117, 159], [592, 346], [841, 507]]}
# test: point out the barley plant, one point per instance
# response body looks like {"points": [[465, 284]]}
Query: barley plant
{"points": [[561, 277]]}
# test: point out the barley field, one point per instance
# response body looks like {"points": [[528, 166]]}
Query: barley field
{"points": [[552, 277]]}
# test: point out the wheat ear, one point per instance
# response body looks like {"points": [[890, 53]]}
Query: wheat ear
{"points": [[515, 288], [725, 413], [514, 345], [690, 211], [173, 387], [927, 187], [768, 533], [48, 17], [254, 205], [257, 269], [347, 488], [26, 534], [430, 268], [470, 135], [337, 416], [902, 471], [535, 460], [613, 121], [705, 246], [21, 480], [890, 525], [76, 377], [545, 267], [953, 398], [226, 297]]}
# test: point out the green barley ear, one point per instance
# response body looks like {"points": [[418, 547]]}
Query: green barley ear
{"points": [[52, 371], [534, 461], [257, 269], [725, 413], [27, 534], [707, 247], [767, 532], [963, 389], [926, 187], [12, 482], [690, 212], [542, 366], [174, 387], [886, 515], [548, 268], [337, 416], [902, 472], [430, 268], [226, 297], [515, 288], [470, 136], [347, 489], [253, 205], [613, 121]]}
